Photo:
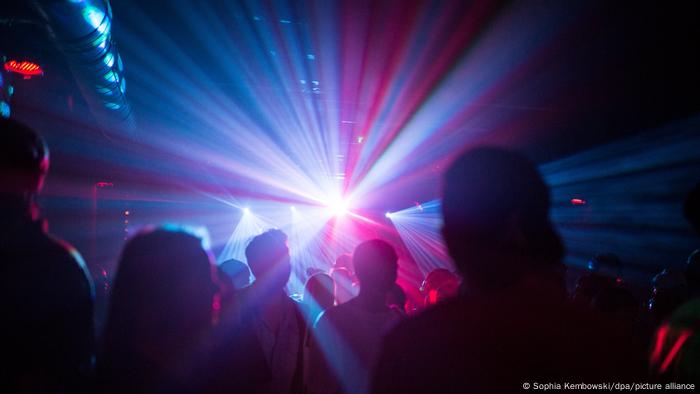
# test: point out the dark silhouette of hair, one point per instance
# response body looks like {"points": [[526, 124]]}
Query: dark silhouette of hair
{"points": [[376, 264], [161, 308], [238, 271], [268, 259], [496, 224], [691, 207]]}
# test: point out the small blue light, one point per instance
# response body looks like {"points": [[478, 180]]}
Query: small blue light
{"points": [[4, 109]]}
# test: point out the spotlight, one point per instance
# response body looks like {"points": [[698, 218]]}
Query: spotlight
{"points": [[246, 210], [293, 208], [388, 214], [338, 208]]}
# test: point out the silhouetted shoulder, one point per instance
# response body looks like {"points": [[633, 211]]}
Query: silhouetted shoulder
{"points": [[47, 291], [495, 344]]}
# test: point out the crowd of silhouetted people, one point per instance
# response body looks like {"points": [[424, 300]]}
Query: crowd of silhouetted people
{"points": [[178, 323]]}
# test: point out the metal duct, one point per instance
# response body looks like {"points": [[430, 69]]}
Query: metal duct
{"points": [[83, 30]]}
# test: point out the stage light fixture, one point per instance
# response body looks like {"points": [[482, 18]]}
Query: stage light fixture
{"points": [[25, 68]]}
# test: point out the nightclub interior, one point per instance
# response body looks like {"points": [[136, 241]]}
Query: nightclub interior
{"points": [[445, 157]]}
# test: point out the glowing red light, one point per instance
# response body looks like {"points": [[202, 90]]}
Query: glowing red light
{"points": [[684, 335], [578, 201], [25, 68], [659, 345]]}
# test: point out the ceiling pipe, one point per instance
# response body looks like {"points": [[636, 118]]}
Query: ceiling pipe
{"points": [[83, 31]]}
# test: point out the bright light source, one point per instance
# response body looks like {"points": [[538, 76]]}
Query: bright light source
{"points": [[338, 208], [246, 210], [293, 208], [388, 214]]}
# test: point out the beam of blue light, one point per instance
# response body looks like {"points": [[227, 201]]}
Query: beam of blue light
{"points": [[420, 229], [634, 189]]}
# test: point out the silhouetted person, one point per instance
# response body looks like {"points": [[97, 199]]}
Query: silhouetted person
{"points": [[439, 285], [46, 295], [269, 321], [604, 272], [238, 271], [619, 304], [589, 285], [669, 291], [319, 295], [606, 264], [513, 323], [159, 321], [346, 339]]}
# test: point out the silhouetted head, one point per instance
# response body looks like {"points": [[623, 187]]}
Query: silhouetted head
{"points": [[311, 271], [319, 291], [692, 273], [606, 264], [440, 284], [269, 260], [24, 162], [589, 285], [376, 265], [345, 285], [691, 207], [344, 261], [238, 271], [496, 218], [163, 291]]}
